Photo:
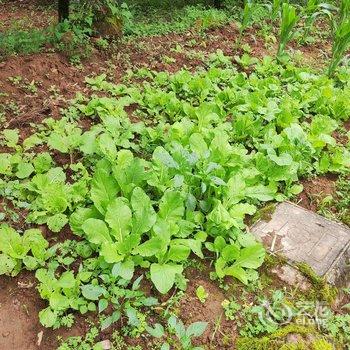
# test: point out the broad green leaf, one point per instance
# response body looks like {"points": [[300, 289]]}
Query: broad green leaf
{"points": [[150, 247], [56, 222], [124, 269], [161, 156], [110, 252], [246, 239], [11, 243], [78, 218], [220, 217], [7, 264], [194, 244], [5, 163], [163, 276], [129, 172], [67, 280], [237, 272], [196, 329], [48, 317], [108, 321], [55, 198], [31, 141], [165, 346], [118, 217], [42, 162], [171, 206], [11, 137], [92, 292], [230, 253], [108, 147], [102, 305], [24, 170], [235, 190], [96, 231], [58, 301], [144, 215], [285, 159], [220, 265], [34, 239], [156, 331], [260, 192], [103, 189], [30, 263], [251, 257], [219, 243], [129, 243], [178, 253], [198, 144]]}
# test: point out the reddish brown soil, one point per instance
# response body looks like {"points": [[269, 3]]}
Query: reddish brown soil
{"points": [[19, 322], [25, 14], [220, 333], [315, 190]]}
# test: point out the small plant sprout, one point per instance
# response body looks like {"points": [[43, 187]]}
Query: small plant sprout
{"points": [[182, 336], [288, 21], [341, 40], [201, 294]]}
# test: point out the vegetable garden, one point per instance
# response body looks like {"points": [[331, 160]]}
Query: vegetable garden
{"points": [[136, 152]]}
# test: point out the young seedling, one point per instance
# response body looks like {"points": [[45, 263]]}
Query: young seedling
{"points": [[288, 22], [182, 334], [201, 294]]}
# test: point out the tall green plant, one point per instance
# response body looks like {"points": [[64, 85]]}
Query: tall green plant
{"points": [[312, 11], [341, 43], [288, 21], [246, 19], [344, 10], [275, 8]]}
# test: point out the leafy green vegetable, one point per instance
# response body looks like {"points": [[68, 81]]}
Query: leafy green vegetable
{"points": [[15, 250]]}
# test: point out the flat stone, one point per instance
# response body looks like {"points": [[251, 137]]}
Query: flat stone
{"points": [[301, 235], [291, 276], [106, 344]]}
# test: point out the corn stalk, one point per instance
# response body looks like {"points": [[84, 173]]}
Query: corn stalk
{"points": [[289, 18]]}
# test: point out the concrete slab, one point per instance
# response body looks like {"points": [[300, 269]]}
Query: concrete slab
{"points": [[304, 236]]}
